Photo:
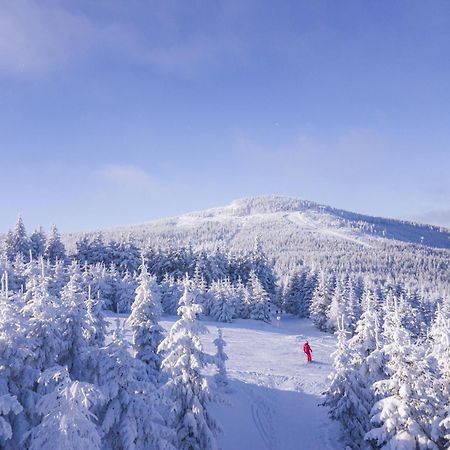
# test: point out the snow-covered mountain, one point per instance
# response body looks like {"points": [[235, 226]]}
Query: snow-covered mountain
{"points": [[281, 218], [296, 233]]}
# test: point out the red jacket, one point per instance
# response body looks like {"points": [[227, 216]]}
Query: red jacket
{"points": [[307, 348]]}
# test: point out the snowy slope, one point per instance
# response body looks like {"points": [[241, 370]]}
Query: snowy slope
{"points": [[275, 394], [284, 217]]}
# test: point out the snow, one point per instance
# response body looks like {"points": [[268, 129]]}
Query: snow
{"points": [[275, 394]]}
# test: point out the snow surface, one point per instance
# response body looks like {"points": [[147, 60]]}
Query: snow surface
{"points": [[275, 394]]}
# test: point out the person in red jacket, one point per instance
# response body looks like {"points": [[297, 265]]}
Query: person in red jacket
{"points": [[308, 350]]}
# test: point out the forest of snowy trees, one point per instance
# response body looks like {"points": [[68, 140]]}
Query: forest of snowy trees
{"points": [[67, 382]]}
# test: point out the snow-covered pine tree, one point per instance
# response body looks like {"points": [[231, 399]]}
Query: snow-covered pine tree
{"points": [[128, 414], [220, 358], [347, 394], [187, 387], [239, 293], [222, 308], [259, 300], [37, 243], [126, 288], [9, 407], [262, 268], [404, 414], [352, 307], [320, 303], [96, 325], [170, 294], [67, 422], [146, 311], [17, 242], [54, 248], [43, 330], [73, 317], [440, 339], [293, 297], [337, 308]]}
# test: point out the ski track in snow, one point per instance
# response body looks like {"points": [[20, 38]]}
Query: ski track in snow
{"points": [[275, 394], [300, 219]]}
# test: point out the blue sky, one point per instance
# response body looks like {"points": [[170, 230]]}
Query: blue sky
{"points": [[115, 112]]}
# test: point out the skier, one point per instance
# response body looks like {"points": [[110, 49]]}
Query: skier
{"points": [[308, 350]]}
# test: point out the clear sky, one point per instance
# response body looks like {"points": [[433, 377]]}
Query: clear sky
{"points": [[116, 112]]}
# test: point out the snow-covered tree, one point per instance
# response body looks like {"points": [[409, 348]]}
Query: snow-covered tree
{"points": [[220, 359], [9, 406], [188, 389], [37, 243], [74, 319], [222, 308], [440, 339], [320, 303], [347, 394], [17, 242], [257, 300], [67, 422], [96, 324], [144, 321], [403, 416], [337, 307], [128, 414], [43, 330], [126, 288], [170, 294], [54, 248]]}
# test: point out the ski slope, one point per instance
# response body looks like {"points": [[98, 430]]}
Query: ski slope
{"points": [[274, 395]]}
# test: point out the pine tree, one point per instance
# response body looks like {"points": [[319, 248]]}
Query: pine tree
{"points": [[96, 324], [144, 322], [220, 359], [17, 242], [37, 243], [440, 339], [129, 415], [403, 415], [74, 319], [258, 300], [347, 395], [42, 313], [187, 387], [320, 304], [352, 307], [54, 248], [222, 308], [125, 293], [337, 308], [9, 406], [67, 422]]}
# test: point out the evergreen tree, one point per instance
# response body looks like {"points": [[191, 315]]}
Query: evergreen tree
{"points": [[183, 362], [125, 293], [37, 243], [67, 422], [222, 308], [347, 395], [440, 339], [54, 248], [17, 242], [337, 307], [96, 325], [74, 320], [128, 415], [258, 300], [320, 304], [403, 416], [220, 359], [144, 322]]}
